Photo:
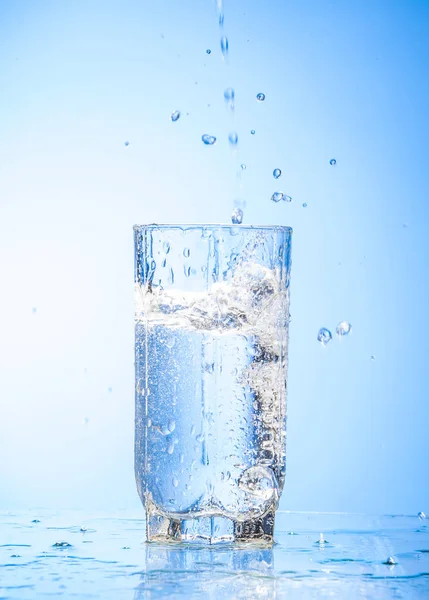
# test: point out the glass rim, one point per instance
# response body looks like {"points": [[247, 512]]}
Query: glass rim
{"points": [[183, 226]]}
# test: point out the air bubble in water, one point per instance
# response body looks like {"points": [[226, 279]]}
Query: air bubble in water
{"points": [[224, 45], [237, 216], [175, 116], [252, 131], [208, 140], [170, 447], [324, 336], [233, 138], [332, 162], [208, 51], [343, 328], [276, 173], [175, 482], [260, 97]]}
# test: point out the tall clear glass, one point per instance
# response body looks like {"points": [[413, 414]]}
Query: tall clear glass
{"points": [[211, 344]]}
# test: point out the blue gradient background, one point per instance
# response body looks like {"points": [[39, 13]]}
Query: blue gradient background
{"points": [[342, 79]]}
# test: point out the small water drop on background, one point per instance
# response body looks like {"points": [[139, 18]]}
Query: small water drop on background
{"points": [[287, 198], [390, 561], [208, 140], [421, 515], [186, 252], [110, 389], [237, 216], [332, 162], [170, 447], [175, 482], [208, 51], [304, 205], [233, 138], [85, 421], [276, 173], [373, 357], [126, 144], [324, 336], [34, 310], [277, 196], [252, 131], [243, 167], [83, 529], [175, 116], [260, 97], [224, 45], [221, 20], [343, 328]]}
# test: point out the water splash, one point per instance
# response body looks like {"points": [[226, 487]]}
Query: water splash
{"points": [[324, 336], [208, 140]]}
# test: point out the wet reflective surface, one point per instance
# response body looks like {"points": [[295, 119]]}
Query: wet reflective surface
{"points": [[45, 554]]}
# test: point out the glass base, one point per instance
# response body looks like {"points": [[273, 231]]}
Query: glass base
{"points": [[210, 530]]}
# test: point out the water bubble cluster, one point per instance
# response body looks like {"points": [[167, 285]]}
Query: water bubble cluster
{"points": [[343, 328], [260, 97], [175, 116], [208, 140], [277, 173], [324, 336], [237, 216]]}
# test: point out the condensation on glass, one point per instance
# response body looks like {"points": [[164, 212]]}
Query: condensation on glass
{"points": [[211, 344]]}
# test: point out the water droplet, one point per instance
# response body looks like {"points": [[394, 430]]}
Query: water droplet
{"points": [[175, 116], [126, 144], [37, 520], [83, 529], [258, 481], [421, 515], [221, 19], [276, 173], [277, 196], [61, 545], [304, 205], [34, 310], [199, 437], [390, 561], [186, 252], [175, 482], [209, 368], [125, 547], [252, 131], [149, 422], [85, 421], [193, 430], [237, 216], [224, 45], [287, 198], [321, 541], [324, 336], [109, 389], [208, 140], [373, 357], [187, 271], [15, 556], [171, 425], [233, 138], [405, 225], [170, 447], [343, 328], [332, 162], [243, 167], [292, 533], [208, 51], [229, 96], [171, 277], [260, 97]]}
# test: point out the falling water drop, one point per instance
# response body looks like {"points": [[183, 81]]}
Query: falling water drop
{"points": [[208, 51], [233, 138], [243, 167], [332, 162], [421, 515], [175, 116], [208, 140], [276, 173], [237, 216], [260, 97], [126, 144], [324, 336], [252, 131], [304, 205], [343, 328], [224, 45]]}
